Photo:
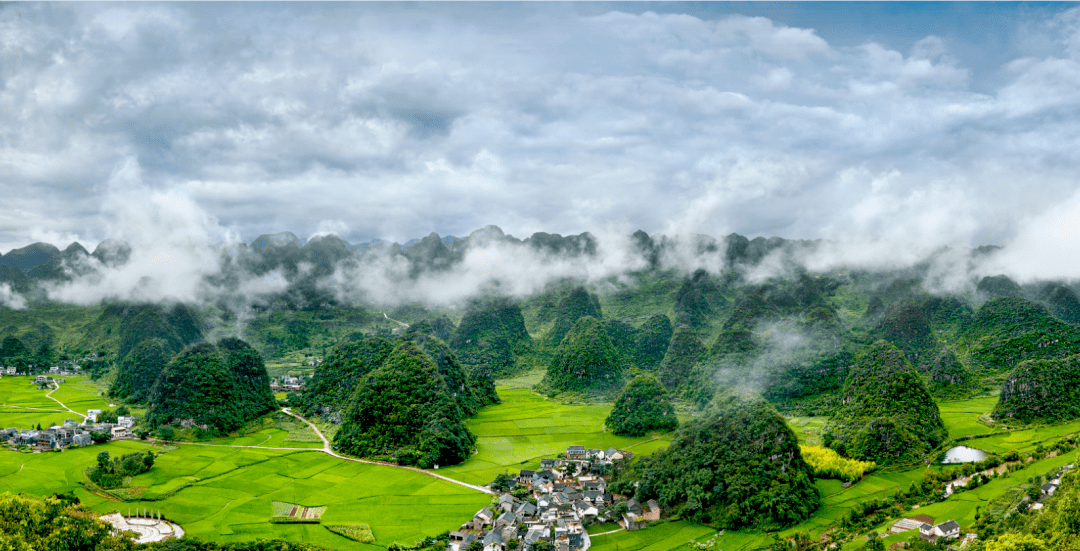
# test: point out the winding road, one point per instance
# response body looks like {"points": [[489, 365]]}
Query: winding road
{"points": [[329, 451], [325, 449], [49, 396]]}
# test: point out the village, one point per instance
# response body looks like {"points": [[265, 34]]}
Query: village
{"points": [[549, 509], [71, 433]]}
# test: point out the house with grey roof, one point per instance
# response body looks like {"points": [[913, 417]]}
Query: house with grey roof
{"points": [[948, 530]]}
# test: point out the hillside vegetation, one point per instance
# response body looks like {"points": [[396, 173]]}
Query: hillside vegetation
{"points": [[405, 410], [885, 414], [642, 406], [150, 335], [738, 465], [585, 361], [491, 335], [218, 387], [1042, 390]]}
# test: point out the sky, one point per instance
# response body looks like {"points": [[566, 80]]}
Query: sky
{"points": [[935, 123]]}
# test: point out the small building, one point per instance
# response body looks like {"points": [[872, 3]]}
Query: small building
{"points": [[652, 510], [575, 452], [92, 415], [948, 530], [126, 421], [632, 521]]}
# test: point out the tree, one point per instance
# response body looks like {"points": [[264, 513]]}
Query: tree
{"points": [[103, 460], [620, 509], [875, 543], [736, 465], [542, 545], [513, 545], [503, 482], [1016, 542], [165, 432]]}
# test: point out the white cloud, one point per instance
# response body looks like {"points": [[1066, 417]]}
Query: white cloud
{"points": [[382, 121], [11, 299]]}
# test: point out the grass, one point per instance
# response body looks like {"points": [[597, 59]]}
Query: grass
{"points": [[23, 405], [961, 417], [357, 532], [226, 494], [1023, 440], [660, 537], [807, 429], [526, 427]]}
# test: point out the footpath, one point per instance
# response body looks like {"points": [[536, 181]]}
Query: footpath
{"points": [[329, 451]]}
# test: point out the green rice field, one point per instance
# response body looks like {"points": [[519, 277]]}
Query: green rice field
{"points": [[280, 431], [223, 492], [661, 537], [961, 417], [526, 427], [226, 494], [23, 405], [1024, 440]]}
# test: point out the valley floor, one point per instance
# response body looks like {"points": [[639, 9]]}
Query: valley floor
{"points": [[225, 491]]}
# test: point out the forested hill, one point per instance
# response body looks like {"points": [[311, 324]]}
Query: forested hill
{"points": [[217, 387], [698, 313], [737, 465], [884, 413]]}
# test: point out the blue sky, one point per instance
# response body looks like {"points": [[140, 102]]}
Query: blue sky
{"points": [[935, 123]]}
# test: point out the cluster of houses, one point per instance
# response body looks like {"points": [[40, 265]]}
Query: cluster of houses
{"points": [[70, 433], [288, 383], [63, 367], [1048, 489], [565, 496]]}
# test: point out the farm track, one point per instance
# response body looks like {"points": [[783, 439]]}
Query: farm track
{"points": [[328, 451], [49, 396]]}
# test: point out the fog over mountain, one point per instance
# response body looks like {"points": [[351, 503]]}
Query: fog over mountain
{"points": [[898, 134]]}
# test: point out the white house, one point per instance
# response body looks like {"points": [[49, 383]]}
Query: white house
{"points": [[948, 530]]}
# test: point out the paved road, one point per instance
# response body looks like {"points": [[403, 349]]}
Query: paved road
{"points": [[401, 323], [49, 396], [605, 533], [329, 451]]}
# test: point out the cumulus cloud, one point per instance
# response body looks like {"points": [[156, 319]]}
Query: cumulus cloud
{"points": [[372, 120], [170, 237]]}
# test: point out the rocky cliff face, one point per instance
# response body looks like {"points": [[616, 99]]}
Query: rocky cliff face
{"points": [[1041, 391]]}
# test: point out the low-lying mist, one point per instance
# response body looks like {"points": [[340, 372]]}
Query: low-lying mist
{"points": [[179, 252]]}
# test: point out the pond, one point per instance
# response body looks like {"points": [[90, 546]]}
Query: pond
{"points": [[964, 454]]}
